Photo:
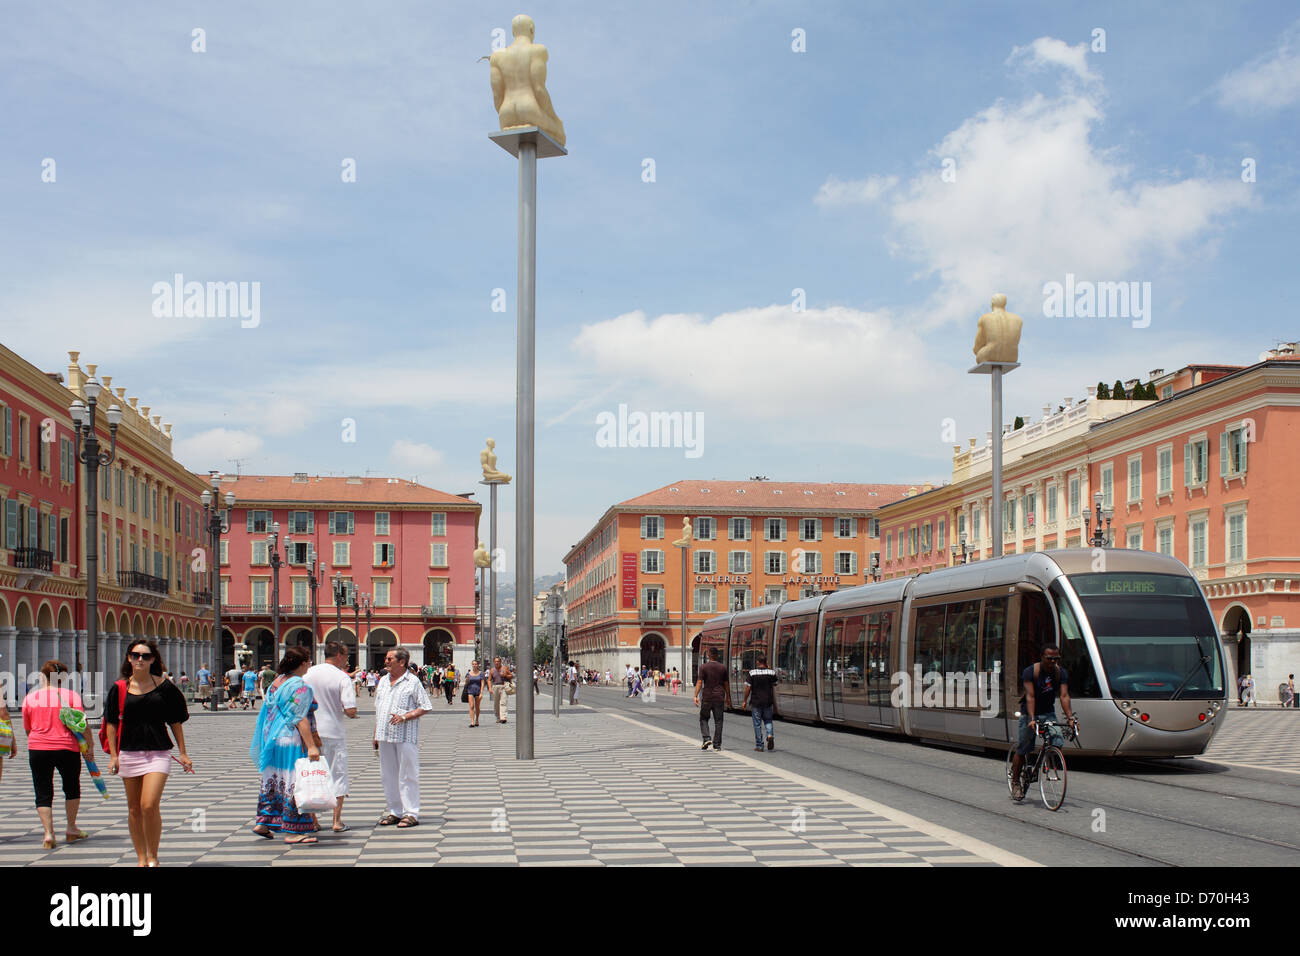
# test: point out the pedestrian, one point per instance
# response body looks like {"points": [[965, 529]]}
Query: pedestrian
{"points": [[204, 677], [138, 710], [1249, 695], [7, 744], [637, 686], [760, 699], [285, 733], [500, 675], [537, 673], [712, 696], [629, 677], [473, 692], [573, 682], [265, 678], [677, 681], [449, 682], [50, 747], [234, 682], [372, 680], [649, 692], [1241, 691], [1290, 686], [402, 701], [250, 687], [336, 698]]}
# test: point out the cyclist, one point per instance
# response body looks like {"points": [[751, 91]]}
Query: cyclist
{"points": [[1043, 683]]}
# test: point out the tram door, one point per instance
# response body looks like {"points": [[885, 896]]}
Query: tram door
{"points": [[833, 667], [880, 647]]}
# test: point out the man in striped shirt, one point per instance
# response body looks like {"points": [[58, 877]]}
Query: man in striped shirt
{"points": [[760, 698], [401, 702]]}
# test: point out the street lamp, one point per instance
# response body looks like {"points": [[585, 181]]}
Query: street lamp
{"points": [[83, 420], [340, 598], [359, 601], [1098, 538], [875, 569], [960, 549], [554, 621], [217, 523], [314, 581], [273, 557]]}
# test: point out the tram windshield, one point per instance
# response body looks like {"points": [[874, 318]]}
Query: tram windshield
{"points": [[1157, 640]]}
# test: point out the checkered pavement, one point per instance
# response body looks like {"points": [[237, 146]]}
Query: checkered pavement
{"points": [[1262, 739], [603, 790]]}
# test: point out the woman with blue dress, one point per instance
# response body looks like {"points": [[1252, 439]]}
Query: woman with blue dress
{"points": [[285, 733]]}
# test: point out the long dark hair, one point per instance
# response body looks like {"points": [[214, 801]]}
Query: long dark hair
{"points": [[294, 657], [156, 666]]}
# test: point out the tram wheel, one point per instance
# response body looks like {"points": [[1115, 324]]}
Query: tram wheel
{"points": [[1051, 778]]}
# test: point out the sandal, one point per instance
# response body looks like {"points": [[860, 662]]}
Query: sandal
{"points": [[264, 833], [71, 837], [389, 820], [306, 838], [49, 843], [408, 822], [343, 828]]}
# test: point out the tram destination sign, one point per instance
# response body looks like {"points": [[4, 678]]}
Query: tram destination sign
{"points": [[1131, 585]]}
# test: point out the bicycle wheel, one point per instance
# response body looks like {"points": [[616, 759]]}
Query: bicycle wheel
{"points": [[1051, 778]]}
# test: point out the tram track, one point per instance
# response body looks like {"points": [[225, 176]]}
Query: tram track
{"points": [[1109, 805]]}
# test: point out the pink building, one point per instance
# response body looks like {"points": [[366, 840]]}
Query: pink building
{"points": [[408, 547]]}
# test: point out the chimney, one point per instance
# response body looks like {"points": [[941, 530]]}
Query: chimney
{"points": [[1155, 373]]}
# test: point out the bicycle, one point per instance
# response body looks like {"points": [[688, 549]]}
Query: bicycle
{"points": [[1047, 767]]}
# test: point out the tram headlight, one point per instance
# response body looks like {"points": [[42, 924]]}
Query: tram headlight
{"points": [[1125, 706], [1132, 711], [1215, 705]]}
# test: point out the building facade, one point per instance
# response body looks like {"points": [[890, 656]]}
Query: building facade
{"points": [[1203, 474], [409, 548], [754, 542]]}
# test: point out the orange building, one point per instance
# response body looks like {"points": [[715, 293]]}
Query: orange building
{"points": [[754, 542], [1205, 474]]}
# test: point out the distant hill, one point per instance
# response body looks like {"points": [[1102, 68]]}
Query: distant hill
{"points": [[506, 590]]}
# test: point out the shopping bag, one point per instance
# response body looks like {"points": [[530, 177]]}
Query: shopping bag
{"points": [[313, 786], [6, 739]]}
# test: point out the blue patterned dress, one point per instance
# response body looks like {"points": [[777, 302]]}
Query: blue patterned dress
{"points": [[276, 747]]}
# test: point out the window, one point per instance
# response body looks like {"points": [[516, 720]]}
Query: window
{"points": [[705, 529], [342, 553], [961, 525], [381, 593], [225, 591], [43, 454], [301, 598], [1009, 522], [873, 527], [652, 599], [706, 599], [1196, 462], [188, 531], [121, 486], [224, 551], [1196, 529], [652, 562], [889, 546], [135, 496], [1165, 539], [739, 529], [975, 524], [943, 534], [739, 562], [774, 529], [437, 554], [812, 562], [23, 436], [1232, 452], [1031, 509], [1051, 496], [846, 527], [300, 522], [775, 562], [155, 503], [67, 460], [9, 431], [144, 497], [927, 537], [810, 529], [438, 595], [652, 527], [106, 485], [846, 562], [705, 562], [740, 600], [1135, 539], [342, 522], [135, 556], [381, 522], [259, 595], [1236, 536], [773, 595], [386, 554], [1167, 392], [438, 524], [1134, 488], [912, 539], [1108, 486], [298, 552], [1072, 502], [259, 553], [1165, 470]]}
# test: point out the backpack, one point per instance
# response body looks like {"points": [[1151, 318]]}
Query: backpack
{"points": [[121, 711]]}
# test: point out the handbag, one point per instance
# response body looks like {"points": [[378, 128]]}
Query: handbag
{"points": [[313, 786], [510, 686], [6, 738], [464, 694], [121, 712]]}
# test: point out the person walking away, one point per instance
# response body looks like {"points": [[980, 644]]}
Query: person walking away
{"points": [[50, 747], [572, 677], [449, 682], [474, 692], [234, 683], [139, 710], [760, 700], [204, 677], [712, 696], [250, 688], [372, 681], [400, 703], [630, 679], [1290, 687], [500, 700], [650, 691], [265, 678], [284, 734], [336, 699]]}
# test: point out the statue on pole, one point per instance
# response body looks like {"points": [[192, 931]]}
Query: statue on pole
{"points": [[481, 557], [488, 459], [685, 539], [998, 336], [519, 83]]}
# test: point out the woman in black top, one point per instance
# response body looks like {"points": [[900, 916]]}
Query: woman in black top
{"points": [[138, 745]]}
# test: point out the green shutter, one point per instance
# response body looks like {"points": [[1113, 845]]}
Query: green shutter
{"points": [[351, 522], [1241, 444], [1187, 464], [1223, 455], [249, 516], [311, 522]]}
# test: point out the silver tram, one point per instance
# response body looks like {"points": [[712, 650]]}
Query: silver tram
{"points": [[938, 656]]}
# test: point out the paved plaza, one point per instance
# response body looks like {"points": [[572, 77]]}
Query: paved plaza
{"points": [[604, 790], [1261, 739]]}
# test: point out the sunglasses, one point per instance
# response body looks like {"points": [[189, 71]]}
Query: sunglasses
{"points": [[137, 656]]}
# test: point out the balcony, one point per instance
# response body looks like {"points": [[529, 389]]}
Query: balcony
{"points": [[142, 589], [32, 565], [447, 610], [654, 614]]}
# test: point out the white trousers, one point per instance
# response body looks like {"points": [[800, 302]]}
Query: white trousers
{"points": [[335, 752], [399, 766]]}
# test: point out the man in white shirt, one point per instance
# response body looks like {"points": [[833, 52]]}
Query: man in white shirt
{"points": [[573, 682], [336, 698], [400, 701]]}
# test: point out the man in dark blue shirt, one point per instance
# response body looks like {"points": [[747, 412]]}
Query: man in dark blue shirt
{"points": [[1043, 683]]}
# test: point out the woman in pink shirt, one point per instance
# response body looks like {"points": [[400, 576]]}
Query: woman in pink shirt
{"points": [[50, 747]]}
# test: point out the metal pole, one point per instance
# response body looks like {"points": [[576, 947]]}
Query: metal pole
{"points": [[492, 578], [995, 513], [214, 530], [275, 593], [93, 655], [686, 557], [526, 388], [311, 579]]}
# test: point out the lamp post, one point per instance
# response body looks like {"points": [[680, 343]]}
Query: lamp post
{"points": [[88, 453], [340, 598], [314, 582], [273, 557], [874, 570], [960, 550], [217, 523], [1098, 538], [360, 600], [553, 621]]}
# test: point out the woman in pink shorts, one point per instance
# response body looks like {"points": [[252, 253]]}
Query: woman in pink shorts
{"points": [[138, 745]]}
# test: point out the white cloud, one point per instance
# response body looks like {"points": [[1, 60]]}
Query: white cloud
{"points": [[215, 448], [1048, 52], [415, 457], [838, 192], [1269, 82]]}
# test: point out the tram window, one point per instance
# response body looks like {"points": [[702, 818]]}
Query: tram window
{"points": [[995, 626], [854, 652], [831, 661], [1074, 649], [961, 637], [929, 638], [792, 656], [1036, 629]]}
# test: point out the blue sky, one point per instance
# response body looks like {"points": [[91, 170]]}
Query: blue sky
{"points": [[774, 170]]}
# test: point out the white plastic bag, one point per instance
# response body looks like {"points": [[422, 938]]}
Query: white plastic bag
{"points": [[313, 786]]}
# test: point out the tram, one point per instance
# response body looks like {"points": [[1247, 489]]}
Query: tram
{"points": [[938, 656]]}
